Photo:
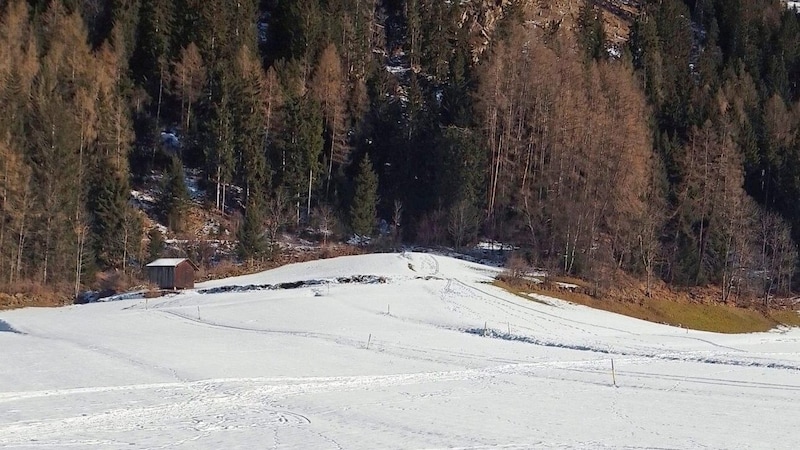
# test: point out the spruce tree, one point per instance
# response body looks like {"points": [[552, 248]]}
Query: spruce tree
{"points": [[592, 35], [156, 245], [363, 209], [300, 145], [252, 244], [108, 207], [174, 196], [249, 123]]}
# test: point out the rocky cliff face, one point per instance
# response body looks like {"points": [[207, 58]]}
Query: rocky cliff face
{"points": [[482, 16]]}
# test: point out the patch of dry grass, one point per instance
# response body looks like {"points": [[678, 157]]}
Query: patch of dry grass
{"points": [[28, 293], [516, 290], [676, 309], [787, 317]]}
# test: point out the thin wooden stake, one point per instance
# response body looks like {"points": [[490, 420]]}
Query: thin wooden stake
{"points": [[484, 329], [198, 312], [369, 340], [509, 327], [613, 373]]}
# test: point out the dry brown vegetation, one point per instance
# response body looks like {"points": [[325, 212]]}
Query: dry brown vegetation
{"points": [[576, 171], [21, 295], [32, 294], [696, 308], [229, 268]]}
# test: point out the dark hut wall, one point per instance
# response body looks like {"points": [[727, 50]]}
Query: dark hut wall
{"points": [[163, 276], [173, 277]]}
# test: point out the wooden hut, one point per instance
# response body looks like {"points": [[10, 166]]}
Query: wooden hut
{"points": [[172, 273]]}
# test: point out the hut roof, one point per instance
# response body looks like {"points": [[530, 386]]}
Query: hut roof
{"points": [[170, 262]]}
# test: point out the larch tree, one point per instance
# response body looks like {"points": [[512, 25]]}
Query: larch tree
{"points": [[328, 88], [15, 192], [61, 100], [189, 79], [19, 66], [777, 255], [273, 99]]}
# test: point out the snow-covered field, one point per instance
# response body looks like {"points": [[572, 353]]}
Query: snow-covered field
{"points": [[430, 358]]}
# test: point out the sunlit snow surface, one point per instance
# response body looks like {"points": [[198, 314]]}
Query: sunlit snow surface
{"points": [[430, 358]]}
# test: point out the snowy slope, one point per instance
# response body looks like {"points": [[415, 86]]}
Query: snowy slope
{"points": [[402, 363]]}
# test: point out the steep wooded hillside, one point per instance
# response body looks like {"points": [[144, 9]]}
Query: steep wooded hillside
{"points": [[654, 138]]}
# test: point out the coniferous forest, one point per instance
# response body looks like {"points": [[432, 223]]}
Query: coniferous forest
{"points": [[659, 139]]}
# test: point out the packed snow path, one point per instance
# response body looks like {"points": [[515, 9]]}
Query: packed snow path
{"points": [[320, 355]]}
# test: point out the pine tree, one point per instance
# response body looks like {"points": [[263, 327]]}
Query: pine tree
{"points": [[156, 244], [592, 35], [252, 244], [296, 31], [174, 196], [301, 145], [249, 124], [363, 208], [153, 46], [108, 208], [218, 140]]}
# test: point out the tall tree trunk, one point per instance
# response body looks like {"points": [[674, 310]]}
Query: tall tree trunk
{"points": [[219, 170], [310, 178]]}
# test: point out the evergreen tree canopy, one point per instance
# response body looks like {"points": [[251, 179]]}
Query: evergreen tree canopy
{"points": [[174, 196], [363, 212]]}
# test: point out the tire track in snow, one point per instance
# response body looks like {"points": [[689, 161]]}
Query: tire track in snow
{"points": [[527, 313], [113, 354], [336, 339], [690, 356], [705, 341], [288, 386], [561, 321], [508, 305], [215, 405], [235, 403], [378, 345]]}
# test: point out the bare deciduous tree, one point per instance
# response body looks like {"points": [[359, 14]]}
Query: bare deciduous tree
{"points": [[463, 221], [325, 218], [277, 215]]}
